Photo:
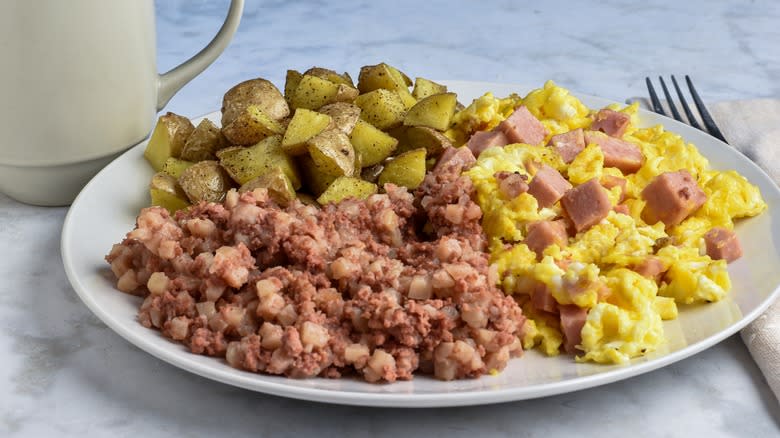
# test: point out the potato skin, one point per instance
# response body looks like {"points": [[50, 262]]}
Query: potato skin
{"points": [[203, 143], [332, 151], [258, 92], [343, 115], [251, 126], [205, 181], [328, 74]]}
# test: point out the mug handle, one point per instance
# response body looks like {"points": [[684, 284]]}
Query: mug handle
{"points": [[170, 82]]}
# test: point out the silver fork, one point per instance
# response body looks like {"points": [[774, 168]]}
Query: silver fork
{"points": [[709, 124]]}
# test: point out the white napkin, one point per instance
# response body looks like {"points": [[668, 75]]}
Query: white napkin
{"points": [[753, 127]]}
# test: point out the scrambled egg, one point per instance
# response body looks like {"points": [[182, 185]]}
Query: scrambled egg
{"points": [[594, 270]]}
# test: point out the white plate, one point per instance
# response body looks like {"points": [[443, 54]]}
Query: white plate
{"points": [[106, 210]]}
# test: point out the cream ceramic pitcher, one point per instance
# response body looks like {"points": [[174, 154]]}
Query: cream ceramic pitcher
{"points": [[78, 86]]}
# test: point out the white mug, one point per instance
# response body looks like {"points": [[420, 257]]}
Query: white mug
{"points": [[78, 86]]}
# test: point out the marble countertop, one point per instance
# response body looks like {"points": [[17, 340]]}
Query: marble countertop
{"points": [[63, 373]]}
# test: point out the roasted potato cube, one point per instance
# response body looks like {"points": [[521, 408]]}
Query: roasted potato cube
{"points": [[166, 192], [430, 139], [168, 139], [407, 169], [205, 181], [399, 74], [348, 79], [330, 75], [244, 164], [407, 98], [277, 183], [371, 144], [424, 88], [333, 153], [174, 166], [304, 125], [347, 187], [251, 126], [373, 77], [254, 92], [204, 142], [291, 83], [434, 111], [345, 93], [315, 177], [313, 92], [382, 108], [344, 115]]}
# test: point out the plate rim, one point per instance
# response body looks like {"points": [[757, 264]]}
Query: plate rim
{"points": [[246, 380]]}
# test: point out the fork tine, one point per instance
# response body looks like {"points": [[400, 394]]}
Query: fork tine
{"points": [[657, 107], [688, 113], [672, 107], [706, 118]]}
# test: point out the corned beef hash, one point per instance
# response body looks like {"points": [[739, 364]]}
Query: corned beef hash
{"points": [[369, 230]]}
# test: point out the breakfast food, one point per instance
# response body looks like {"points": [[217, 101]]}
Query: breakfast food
{"points": [[340, 229], [352, 288], [322, 129], [598, 227]]}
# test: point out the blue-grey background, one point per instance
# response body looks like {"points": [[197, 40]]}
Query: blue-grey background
{"points": [[604, 48]]}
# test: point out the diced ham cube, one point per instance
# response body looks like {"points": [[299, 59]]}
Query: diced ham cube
{"points": [[622, 209], [573, 318], [482, 140], [617, 153], [522, 127], [542, 299], [652, 267], [454, 160], [610, 181], [541, 234], [511, 184], [548, 186], [587, 204], [722, 244], [612, 123], [569, 144], [671, 197]]}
